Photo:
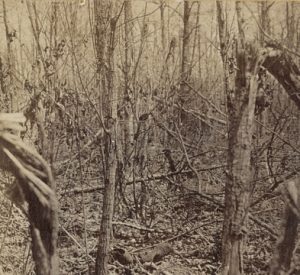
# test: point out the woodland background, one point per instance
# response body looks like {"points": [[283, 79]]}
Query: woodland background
{"points": [[129, 103]]}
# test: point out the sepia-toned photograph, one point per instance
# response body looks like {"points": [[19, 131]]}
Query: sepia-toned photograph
{"points": [[149, 137]]}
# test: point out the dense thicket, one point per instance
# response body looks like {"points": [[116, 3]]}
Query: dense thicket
{"points": [[165, 123]]}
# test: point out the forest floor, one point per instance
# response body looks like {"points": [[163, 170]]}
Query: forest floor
{"points": [[177, 231]]}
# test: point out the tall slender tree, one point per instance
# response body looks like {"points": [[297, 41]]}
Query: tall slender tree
{"points": [[10, 36], [291, 25], [105, 28], [128, 95], [185, 55]]}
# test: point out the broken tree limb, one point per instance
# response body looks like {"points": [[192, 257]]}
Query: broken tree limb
{"points": [[285, 70]]}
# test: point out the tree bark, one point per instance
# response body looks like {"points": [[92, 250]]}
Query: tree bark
{"points": [[282, 257], [282, 66], [185, 56], [128, 95], [104, 41], [163, 28], [10, 36], [283, 254], [264, 20], [34, 182], [291, 25], [241, 87]]}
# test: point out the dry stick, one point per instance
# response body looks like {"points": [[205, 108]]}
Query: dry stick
{"points": [[136, 226], [141, 47], [171, 133], [268, 193], [274, 235], [205, 99], [98, 135], [222, 122], [192, 230], [137, 17], [152, 178], [187, 158], [203, 118], [77, 243], [278, 136], [35, 34], [197, 114], [99, 114], [204, 196], [178, 236], [255, 220]]}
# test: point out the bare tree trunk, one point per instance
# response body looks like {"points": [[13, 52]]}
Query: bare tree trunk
{"points": [[282, 258], [264, 19], [289, 75], [51, 84], [10, 36], [265, 22], [128, 95], [241, 95], [237, 191], [163, 28], [291, 25], [185, 56], [40, 118], [104, 41]]}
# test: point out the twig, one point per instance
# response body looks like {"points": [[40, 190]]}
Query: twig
{"points": [[278, 136], [267, 35], [269, 192], [136, 226], [178, 236], [152, 178], [187, 158], [205, 99], [76, 242]]}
